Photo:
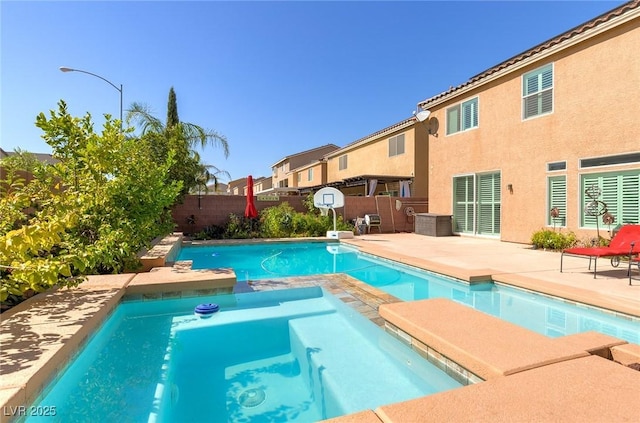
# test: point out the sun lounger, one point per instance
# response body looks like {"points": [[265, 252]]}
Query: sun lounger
{"points": [[626, 243]]}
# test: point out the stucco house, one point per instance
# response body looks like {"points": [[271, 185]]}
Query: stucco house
{"points": [[525, 144], [286, 171], [391, 161]]}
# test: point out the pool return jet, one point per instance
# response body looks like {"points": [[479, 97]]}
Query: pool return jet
{"points": [[326, 199]]}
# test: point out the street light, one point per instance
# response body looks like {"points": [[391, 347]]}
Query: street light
{"points": [[65, 69]]}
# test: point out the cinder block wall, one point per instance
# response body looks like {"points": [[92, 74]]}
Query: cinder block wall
{"points": [[215, 210]]}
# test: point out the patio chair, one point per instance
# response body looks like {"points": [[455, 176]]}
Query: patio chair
{"points": [[626, 243]]}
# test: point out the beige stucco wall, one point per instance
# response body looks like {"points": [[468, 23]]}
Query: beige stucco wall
{"points": [[319, 175], [372, 158], [596, 112]]}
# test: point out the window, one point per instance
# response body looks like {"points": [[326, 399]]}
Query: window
{"points": [[463, 116], [396, 145], [620, 191], [342, 162], [557, 200], [284, 183], [610, 160], [310, 175], [537, 92], [476, 204], [552, 167]]}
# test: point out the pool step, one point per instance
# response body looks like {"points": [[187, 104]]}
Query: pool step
{"points": [[337, 361]]}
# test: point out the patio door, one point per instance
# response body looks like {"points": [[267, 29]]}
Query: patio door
{"points": [[476, 204]]}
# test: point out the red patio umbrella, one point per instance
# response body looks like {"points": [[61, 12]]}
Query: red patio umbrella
{"points": [[250, 211]]}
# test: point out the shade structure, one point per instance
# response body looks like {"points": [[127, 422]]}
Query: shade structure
{"points": [[250, 210]]}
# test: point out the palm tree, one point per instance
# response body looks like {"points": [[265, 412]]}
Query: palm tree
{"points": [[180, 136], [194, 134]]}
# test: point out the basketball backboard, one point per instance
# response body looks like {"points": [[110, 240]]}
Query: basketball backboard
{"points": [[328, 197]]}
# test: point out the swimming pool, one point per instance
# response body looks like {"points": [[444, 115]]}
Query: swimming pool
{"points": [[292, 355], [540, 313]]}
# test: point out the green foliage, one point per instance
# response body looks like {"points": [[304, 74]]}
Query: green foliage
{"points": [[240, 227], [172, 109], [90, 213], [277, 221], [283, 221], [552, 240], [184, 138], [280, 221], [210, 232]]}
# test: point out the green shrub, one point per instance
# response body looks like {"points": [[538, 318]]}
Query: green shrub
{"points": [[277, 221], [240, 227], [280, 221], [210, 232], [283, 221], [552, 240]]}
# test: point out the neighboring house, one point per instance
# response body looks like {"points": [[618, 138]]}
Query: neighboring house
{"points": [[221, 189], [262, 185], [310, 175], [285, 180], [41, 157], [237, 186], [537, 131], [380, 162]]}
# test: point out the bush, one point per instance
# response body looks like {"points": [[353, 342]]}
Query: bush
{"points": [[210, 232], [240, 227], [89, 213], [280, 221], [552, 240]]}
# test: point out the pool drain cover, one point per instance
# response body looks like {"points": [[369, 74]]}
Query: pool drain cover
{"points": [[252, 398]]}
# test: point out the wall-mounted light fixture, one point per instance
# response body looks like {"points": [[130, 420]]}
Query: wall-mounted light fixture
{"points": [[510, 188]]}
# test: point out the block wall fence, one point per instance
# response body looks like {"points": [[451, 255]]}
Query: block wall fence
{"points": [[215, 210]]}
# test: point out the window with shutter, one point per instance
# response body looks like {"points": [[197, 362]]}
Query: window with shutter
{"points": [[557, 198], [620, 191], [537, 92], [396, 145], [476, 208], [489, 204], [463, 116], [464, 204], [342, 162]]}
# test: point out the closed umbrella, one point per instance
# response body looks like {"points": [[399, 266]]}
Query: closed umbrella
{"points": [[250, 211]]}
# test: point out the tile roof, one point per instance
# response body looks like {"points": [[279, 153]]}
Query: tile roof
{"points": [[396, 126], [564, 37]]}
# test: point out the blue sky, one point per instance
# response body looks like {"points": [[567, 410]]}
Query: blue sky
{"points": [[275, 78]]}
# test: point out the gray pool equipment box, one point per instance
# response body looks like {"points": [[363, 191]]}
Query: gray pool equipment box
{"points": [[431, 224]]}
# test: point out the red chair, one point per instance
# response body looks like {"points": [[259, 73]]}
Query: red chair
{"points": [[626, 243]]}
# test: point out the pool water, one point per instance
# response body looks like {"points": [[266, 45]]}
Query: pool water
{"points": [[294, 355], [542, 314]]}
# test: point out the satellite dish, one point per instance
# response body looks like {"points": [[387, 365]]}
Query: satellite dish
{"points": [[423, 115], [433, 126]]}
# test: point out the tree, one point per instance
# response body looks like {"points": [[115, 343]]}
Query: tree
{"points": [[172, 110], [91, 212], [182, 137]]}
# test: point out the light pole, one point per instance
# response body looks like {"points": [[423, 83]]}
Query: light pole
{"points": [[65, 69]]}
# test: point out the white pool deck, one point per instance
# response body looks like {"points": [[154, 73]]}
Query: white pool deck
{"points": [[579, 384]]}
